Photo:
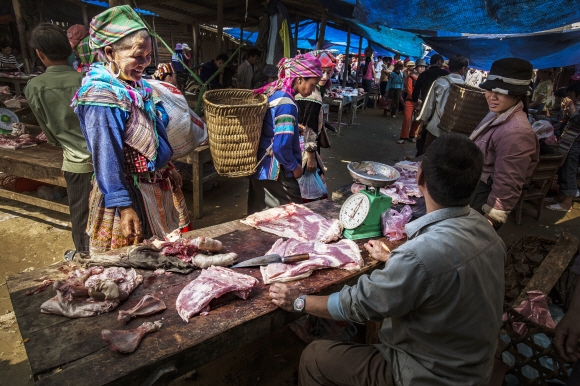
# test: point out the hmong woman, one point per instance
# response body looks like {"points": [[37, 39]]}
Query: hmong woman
{"points": [[136, 193], [275, 181], [311, 119]]}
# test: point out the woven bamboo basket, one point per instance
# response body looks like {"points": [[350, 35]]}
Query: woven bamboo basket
{"points": [[465, 108], [234, 121]]}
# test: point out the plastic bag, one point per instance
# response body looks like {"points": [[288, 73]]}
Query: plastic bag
{"points": [[393, 223], [311, 185], [185, 130]]}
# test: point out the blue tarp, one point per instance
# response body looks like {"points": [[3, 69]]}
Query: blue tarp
{"points": [[545, 50], [473, 17], [404, 43]]}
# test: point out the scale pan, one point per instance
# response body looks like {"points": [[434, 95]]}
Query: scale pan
{"points": [[373, 173]]}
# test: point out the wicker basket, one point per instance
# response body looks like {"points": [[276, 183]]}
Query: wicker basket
{"points": [[234, 120], [465, 109]]}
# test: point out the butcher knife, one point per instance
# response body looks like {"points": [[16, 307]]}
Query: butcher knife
{"points": [[269, 259]]}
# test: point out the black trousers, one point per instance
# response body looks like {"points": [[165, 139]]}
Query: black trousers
{"points": [[265, 194], [78, 186]]}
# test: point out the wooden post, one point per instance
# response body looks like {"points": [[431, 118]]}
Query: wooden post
{"points": [[22, 34], [360, 39], [320, 44], [241, 41], [346, 59], [85, 16], [296, 31], [317, 32], [156, 46], [195, 48], [114, 3], [220, 24]]}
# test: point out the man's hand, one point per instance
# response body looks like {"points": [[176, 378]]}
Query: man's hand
{"points": [[298, 172], [567, 333], [301, 128], [378, 250], [176, 179], [283, 295], [311, 164], [130, 224]]}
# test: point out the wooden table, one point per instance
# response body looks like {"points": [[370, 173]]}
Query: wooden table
{"points": [[357, 102], [65, 351], [341, 103], [16, 82]]}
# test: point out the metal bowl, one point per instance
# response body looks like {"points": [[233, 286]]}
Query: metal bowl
{"points": [[373, 173]]}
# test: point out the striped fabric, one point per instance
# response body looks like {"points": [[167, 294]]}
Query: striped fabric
{"points": [[112, 25], [569, 136], [284, 124], [87, 55], [300, 66], [7, 60]]}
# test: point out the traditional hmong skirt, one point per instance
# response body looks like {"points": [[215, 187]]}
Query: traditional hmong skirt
{"points": [[569, 136], [160, 210]]}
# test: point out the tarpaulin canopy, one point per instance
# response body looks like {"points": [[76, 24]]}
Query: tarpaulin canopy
{"points": [[545, 50], [473, 17]]}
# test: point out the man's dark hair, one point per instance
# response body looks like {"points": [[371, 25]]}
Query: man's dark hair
{"points": [[452, 167], [575, 88], [222, 57], [561, 92], [387, 59], [435, 58], [51, 41], [5, 45], [254, 52], [457, 62]]}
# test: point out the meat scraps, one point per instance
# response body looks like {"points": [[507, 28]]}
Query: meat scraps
{"points": [[296, 222], [19, 142], [148, 305], [44, 285], [211, 284], [92, 291], [127, 341], [344, 254]]}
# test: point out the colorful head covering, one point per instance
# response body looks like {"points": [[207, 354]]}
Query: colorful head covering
{"points": [[185, 47], [114, 24], [163, 69], [86, 54], [300, 66], [76, 33], [325, 57], [178, 46]]}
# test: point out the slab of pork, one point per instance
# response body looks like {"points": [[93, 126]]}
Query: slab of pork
{"points": [[148, 305], [126, 341], [211, 284]]}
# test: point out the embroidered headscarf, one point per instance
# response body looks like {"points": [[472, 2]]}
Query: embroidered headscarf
{"points": [[112, 25], [326, 58], [163, 69], [300, 66], [76, 33]]}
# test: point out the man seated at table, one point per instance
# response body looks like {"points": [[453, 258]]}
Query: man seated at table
{"points": [[50, 96], [439, 296], [210, 68]]}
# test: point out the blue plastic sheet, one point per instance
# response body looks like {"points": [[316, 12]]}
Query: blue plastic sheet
{"points": [[474, 17], [545, 50]]}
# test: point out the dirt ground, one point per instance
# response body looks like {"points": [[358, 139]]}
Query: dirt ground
{"points": [[31, 238]]}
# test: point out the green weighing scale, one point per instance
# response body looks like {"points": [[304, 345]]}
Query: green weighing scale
{"points": [[361, 213]]}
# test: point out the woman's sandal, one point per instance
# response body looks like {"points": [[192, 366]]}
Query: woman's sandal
{"points": [[558, 208], [401, 141]]}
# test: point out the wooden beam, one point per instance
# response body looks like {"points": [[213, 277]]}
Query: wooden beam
{"points": [[360, 39], [320, 44], [22, 34], [220, 24], [241, 41], [85, 15], [195, 48], [346, 61], [296, 31], [114, 3]]}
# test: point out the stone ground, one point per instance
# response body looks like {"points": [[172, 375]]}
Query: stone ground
{"points": [[32, 238]]}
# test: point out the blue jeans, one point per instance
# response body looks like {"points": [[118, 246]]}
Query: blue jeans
{"points": [[367, 84], [568, 170]]}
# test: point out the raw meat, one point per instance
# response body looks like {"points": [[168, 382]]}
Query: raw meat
{"points": [[344, 254], [211, 284], [148, 305], [393, 223], [206, 261], [126, 341], [296, 222], [20, 142], [91, 292], [44, 285], [408, 182], [397, 194]]}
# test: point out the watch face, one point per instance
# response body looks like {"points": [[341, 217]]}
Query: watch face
{"points": [[299, 304]]}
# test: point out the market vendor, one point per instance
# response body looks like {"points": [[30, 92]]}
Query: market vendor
{"points": [[75, 34], [311, 120], [506, 138], [135, 186], [7, 58], [280, 158], [166, 73], [49, 97], [440, 299]]}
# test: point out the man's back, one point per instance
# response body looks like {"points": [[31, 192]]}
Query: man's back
{"points": [[50, 96], [425, 81]]}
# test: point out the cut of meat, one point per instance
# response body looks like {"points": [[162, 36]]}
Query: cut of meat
{"points": [[44, 285], [92, 291], [344, 254], [295, 222], [148, 305], [22, 141], [126, 341], [211, 284]]}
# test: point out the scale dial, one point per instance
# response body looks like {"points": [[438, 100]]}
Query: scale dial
{"points": [[354, 211]]}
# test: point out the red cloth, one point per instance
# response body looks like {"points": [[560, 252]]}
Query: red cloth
{"points": [[76, 33], [409, 107]]}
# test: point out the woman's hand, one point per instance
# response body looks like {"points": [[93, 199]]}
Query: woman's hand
{"points": [[378, 250], [297, 172], [130, 225], [302, 129], [311, 164], [176, 179]]}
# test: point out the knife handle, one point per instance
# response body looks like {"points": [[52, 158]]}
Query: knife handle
{"points": [[295, 258]]}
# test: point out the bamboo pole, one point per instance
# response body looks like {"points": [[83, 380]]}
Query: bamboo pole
{"points": [[195, 48], [220, 24], [320, 44], [22, 34], [346, 59]]}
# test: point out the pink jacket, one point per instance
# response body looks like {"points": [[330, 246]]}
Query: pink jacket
{"points": [[511, 153]]}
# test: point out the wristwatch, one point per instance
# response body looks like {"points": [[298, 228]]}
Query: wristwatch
{"points": [[299, 303]]}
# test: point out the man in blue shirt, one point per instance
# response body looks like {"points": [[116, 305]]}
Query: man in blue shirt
{"points": [[210, 68], [439, 296]]}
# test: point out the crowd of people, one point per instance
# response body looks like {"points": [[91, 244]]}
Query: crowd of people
{"points": [[123, 186]]}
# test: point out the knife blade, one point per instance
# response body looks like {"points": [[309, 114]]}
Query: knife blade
{"points": [[273, 258]]}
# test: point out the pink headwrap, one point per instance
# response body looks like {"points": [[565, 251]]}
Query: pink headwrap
{"points": [[300, 66], [76, 33], [326, 58]]}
